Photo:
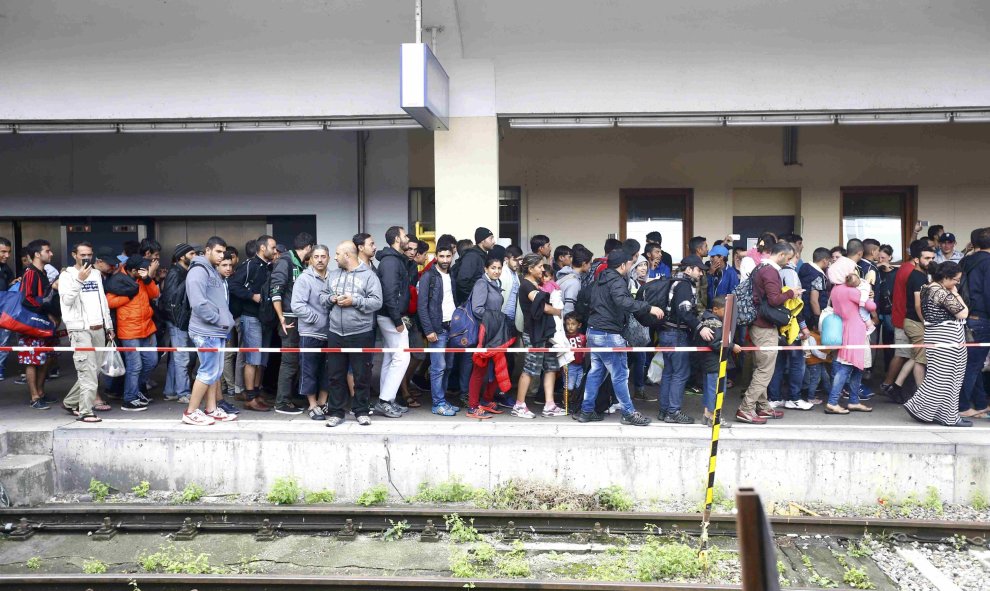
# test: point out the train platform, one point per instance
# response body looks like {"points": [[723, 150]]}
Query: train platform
{"points": [[806, 456]]}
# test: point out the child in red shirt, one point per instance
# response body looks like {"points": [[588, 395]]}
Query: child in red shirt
{"points": [[575, 339]]}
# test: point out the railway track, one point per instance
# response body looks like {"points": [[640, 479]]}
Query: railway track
{"points": [[85, 518]]}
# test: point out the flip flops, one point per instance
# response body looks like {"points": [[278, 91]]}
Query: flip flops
{"points": [[69, 409], [88, 418], [835, 410]]}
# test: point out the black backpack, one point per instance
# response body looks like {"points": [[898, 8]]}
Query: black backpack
{"points": [[178, 302], [582, 305], [266, 308], [656, 293]]}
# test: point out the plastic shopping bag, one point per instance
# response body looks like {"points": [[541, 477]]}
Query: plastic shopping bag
{"points": [[655, 372], [112, 364]]}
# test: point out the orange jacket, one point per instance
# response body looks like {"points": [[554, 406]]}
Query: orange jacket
{"points": [[134, 314]]}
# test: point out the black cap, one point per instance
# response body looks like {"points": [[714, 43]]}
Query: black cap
{"points": [[947, 237], [135, 261], [180, 250], [693, 261], [617, 258], [482, 234]]}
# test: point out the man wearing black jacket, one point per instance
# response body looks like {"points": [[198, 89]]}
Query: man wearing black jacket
{"points": [[676, 332], [976, 268], [245, 287], [472, 264], [393, 270], [285, 270], [177, 385], [611, 305]]}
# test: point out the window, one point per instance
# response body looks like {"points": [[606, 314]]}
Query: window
{"points": [[509, 213], [883, 213], [668, 211], [422, 208]]}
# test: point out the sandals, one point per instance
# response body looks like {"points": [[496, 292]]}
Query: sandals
{"points": [[69, 409], [974, 413], [859, 408], [413, 402], [88, 418], [835, 410], [102, 407]]}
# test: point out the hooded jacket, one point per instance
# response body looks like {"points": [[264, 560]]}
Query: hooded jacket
{"points": [[486, 295], [683, 313], [71, 299], [976, 270], [709, 361], [569, 281], [364, 287], [393, 272], [208, 301], [134, 314], [172, 288], [285, 272], [470, 267], [311, 314], [611, 303], [248, 280]]}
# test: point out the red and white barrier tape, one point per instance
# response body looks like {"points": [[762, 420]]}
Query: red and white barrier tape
{"points": [[473, 349]]}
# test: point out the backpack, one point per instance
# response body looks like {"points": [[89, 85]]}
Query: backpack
{"points": [[463, 326], [746, 310], [266, 309], [178, 303], [656, 293], [582, 305]]}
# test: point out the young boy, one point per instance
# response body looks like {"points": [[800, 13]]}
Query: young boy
{"points": [[711, 319], [576, 339], [816, 362]]}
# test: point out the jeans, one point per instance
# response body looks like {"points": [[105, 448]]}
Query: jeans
{"points": [[973, 394], [177, 376], [139, 365], [615, 363], [288, 370], [4, 338], [638, 371], [210, 363], [360, 363], [575, 373], [393, 364], [793, 361], [254, 335], [440, 364], [813, 376], [844, 373], [313, 375], [709, 391], [676, 371]]}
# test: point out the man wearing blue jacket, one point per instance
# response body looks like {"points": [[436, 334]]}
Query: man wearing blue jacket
{"points": [[436, 308]]}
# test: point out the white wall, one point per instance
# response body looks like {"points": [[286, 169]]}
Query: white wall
{"points": [[387, 183]]}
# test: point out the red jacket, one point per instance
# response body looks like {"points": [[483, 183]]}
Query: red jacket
{"points": [[900, 303], [766, 283]]}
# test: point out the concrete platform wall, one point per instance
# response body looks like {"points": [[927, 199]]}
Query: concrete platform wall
{"points": [[660, 462]]}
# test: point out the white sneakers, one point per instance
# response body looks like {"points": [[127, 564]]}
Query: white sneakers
{"points": [[776, 403], [221, 416], [199, 418], [798, 405]]}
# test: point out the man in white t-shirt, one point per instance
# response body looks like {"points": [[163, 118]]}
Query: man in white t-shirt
{"points": [[435, 309], [87, 318]]}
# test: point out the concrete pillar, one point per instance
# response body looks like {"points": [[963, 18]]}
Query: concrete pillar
{"points": [[466, 176]]}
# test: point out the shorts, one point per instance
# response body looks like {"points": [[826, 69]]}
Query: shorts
{"points": [[253, 335], [915, 332], [900, 338], [535, 364], [34, 358], [210, 363]]}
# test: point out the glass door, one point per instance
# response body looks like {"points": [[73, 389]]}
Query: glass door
{"points": [[883, 213], [668, 211]]}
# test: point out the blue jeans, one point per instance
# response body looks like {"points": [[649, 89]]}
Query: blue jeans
{"points": [[638, 371], [793, 361], [844, 373], [815, 375], [177, 376], [4, 338], [709, 391], [254, 335], [139, 365], [676, 371], [210, 364], [973, 393], [575, 373], [439, 372], [615, 363]]}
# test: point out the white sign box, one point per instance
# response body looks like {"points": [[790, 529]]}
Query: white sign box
{"points": [[425, 87]]}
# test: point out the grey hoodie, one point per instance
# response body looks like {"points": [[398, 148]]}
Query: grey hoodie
{"points": [[569, 281], [486, 295], [310, 312], [363, 285], [208, 300]]}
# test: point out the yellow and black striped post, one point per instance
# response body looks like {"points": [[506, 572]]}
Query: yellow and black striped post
{"points": [[728, 334]]}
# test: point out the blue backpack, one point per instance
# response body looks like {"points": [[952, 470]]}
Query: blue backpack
{"points": [[463, 326]]}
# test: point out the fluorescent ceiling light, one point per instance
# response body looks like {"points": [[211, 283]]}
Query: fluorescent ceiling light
{"points": [[778, 120], [972, 117], [169, 127], [372, 124], [6, 129], [274, 126], [563, 123], [65, 128], [682, 121], [874, 118]]}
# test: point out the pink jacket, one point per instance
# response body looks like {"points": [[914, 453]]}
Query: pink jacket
{"points": [[845, 303]]}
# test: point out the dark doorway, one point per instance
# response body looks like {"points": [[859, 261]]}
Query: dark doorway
{"points": [[749, 227]]}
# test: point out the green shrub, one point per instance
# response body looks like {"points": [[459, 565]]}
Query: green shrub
{"points": [[857, 579], [285, 491], [192, 493], [514, 564], [376, 495], [933, 501], [94, 567], [614, 498], [320, 496], [461, 532], [99, 490], [658, 561], [142, 489], [979, 501], [34, 563], [449, 491], [172, 560], [396, 531]]}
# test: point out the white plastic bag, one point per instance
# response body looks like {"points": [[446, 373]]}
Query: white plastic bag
{"points": [[655, 372], [112, 364]]}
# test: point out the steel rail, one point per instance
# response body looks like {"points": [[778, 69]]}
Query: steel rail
{"points": [[222, 518]]}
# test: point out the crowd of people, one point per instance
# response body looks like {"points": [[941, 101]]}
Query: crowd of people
{"points": [[478, 293]]}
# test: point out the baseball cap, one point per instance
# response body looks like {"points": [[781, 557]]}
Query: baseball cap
{"points": [[947, 237], [135, 261], [718, 251], [693, 261], [617, 258]]}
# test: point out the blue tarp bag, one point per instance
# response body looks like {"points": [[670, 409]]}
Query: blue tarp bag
{"points": [[16, 318]]}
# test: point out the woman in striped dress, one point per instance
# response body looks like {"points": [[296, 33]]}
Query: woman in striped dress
{"points": [[944, 312]]}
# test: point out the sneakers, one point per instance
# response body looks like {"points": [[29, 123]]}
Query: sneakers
{"points": [[710, 421], [40, 404], [288, 409], [21, 380], [197, 418], [49, 399], [444, 410], [170, 397], [400, 406], [678, 418], [640, 394], [478, 413], [316, 413], [220, 416], [54, 374], [226, 406], [750, 417], [387, 409], [693, 388], [363, 420], [136, 405], [553, 411], [185, 400], [590, 417], [336, 421], [613, 409], [776, 403], [502, 400], [798, 405], [635, 419], [257, 405], [143, 398], [522, 412], [770, 413]]}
